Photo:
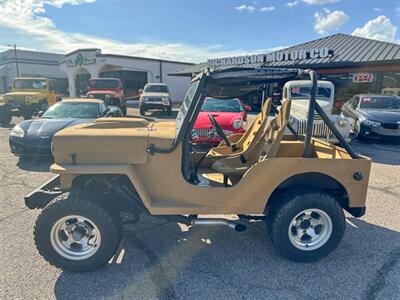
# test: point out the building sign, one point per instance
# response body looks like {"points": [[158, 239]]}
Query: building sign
{"points": [[279, 56], [363, 77], [80, 60]]}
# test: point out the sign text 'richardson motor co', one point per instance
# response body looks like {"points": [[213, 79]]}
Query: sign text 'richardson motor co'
{"points": [[271, 57]]}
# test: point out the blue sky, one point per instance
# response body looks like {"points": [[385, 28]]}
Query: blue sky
{"points": [[189, 30]]}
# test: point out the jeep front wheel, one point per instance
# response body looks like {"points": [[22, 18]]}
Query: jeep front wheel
{"points": [[76, 234], [307, 226]]}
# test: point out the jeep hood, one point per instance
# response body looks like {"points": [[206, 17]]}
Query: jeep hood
{"points": [[111, 141]]}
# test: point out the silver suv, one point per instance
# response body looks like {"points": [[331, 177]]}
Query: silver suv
{"points": [[155, 96]]}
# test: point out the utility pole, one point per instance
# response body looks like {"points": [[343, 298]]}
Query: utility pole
{"points": [[16, 59]]}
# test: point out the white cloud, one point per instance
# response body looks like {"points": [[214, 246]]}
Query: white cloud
{"points": [[291, 4], [267, 8], [319, 2], [24, 24], [327, 21], [245, 8], [379, 28], [377, 9]]}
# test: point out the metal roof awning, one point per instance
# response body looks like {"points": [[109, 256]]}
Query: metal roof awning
{"points": [[338, 50]]}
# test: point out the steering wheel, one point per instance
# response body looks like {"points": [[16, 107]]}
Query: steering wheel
{"points": [[219, 130]]}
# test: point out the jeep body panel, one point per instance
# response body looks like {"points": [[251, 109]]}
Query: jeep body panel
{"points": [[164, 191], [107, 140]]}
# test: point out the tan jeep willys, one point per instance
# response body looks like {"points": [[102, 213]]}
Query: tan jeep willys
{"points": [[297, 184]]}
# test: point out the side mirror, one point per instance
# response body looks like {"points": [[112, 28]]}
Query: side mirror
{"points": [[58, 98], [140, 91], [40, 113], [247, 107]]}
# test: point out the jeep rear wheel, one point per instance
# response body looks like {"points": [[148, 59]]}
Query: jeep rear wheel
{"points": [[77, 235], [307, 226]]}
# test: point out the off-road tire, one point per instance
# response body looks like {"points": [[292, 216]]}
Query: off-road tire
{"points": [[294, 202], [5, 116], [142, 110], [107, 220]]}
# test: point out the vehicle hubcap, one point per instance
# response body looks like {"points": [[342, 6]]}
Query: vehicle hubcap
{"points": [[75, 237], [310, 229]]}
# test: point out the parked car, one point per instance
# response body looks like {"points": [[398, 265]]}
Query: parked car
{"points": [[230, 114], [391, 91], [34, 137], [155, 96], [374, 116], [110, 90], [27, 97], [299, 92]]}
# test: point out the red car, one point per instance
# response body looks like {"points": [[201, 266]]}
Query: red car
{"points": [[230, 114]]}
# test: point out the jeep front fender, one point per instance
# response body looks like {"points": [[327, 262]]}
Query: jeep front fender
{"points": [[69, 172]]}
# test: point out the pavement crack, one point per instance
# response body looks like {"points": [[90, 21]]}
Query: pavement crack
{"points": [[386, 190], [379, 281], [14, 214]]}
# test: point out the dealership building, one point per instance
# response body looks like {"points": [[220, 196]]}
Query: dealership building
{"points": [[73, 70], [354, 64]]}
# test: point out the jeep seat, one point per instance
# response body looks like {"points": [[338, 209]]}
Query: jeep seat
{"points": [[268, 145], [247, 141]]}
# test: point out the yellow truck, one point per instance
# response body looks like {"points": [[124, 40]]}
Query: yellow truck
{"points": [[27, 97]]}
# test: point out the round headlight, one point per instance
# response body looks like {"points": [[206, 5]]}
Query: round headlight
{"points": [[237, 124], [17, 131]]}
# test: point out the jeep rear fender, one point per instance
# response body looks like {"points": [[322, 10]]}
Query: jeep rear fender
{"points": [[69, 172]]}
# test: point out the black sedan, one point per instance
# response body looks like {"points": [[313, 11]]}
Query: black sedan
{"points": [[374, 116], [33, 137]]}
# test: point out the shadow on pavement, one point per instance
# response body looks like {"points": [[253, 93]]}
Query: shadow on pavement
{"points": [[158, 260], [35, 164], [382, 152]]}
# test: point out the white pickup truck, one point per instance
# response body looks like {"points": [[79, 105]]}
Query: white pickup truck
{"points": [[299, 92]]}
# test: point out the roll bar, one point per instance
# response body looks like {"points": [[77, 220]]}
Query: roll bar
{"points": [[314, 106]]}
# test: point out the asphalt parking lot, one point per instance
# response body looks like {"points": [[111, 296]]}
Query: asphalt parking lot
{"points": [[159, 260]]}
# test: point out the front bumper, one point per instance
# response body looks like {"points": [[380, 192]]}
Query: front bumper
{"points": [[20, 147], [42, 195], [379, 132], [155, 105]]}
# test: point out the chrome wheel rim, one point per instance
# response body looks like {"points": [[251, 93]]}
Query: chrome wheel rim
{"points": [[75, 237], [310, 229]]}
